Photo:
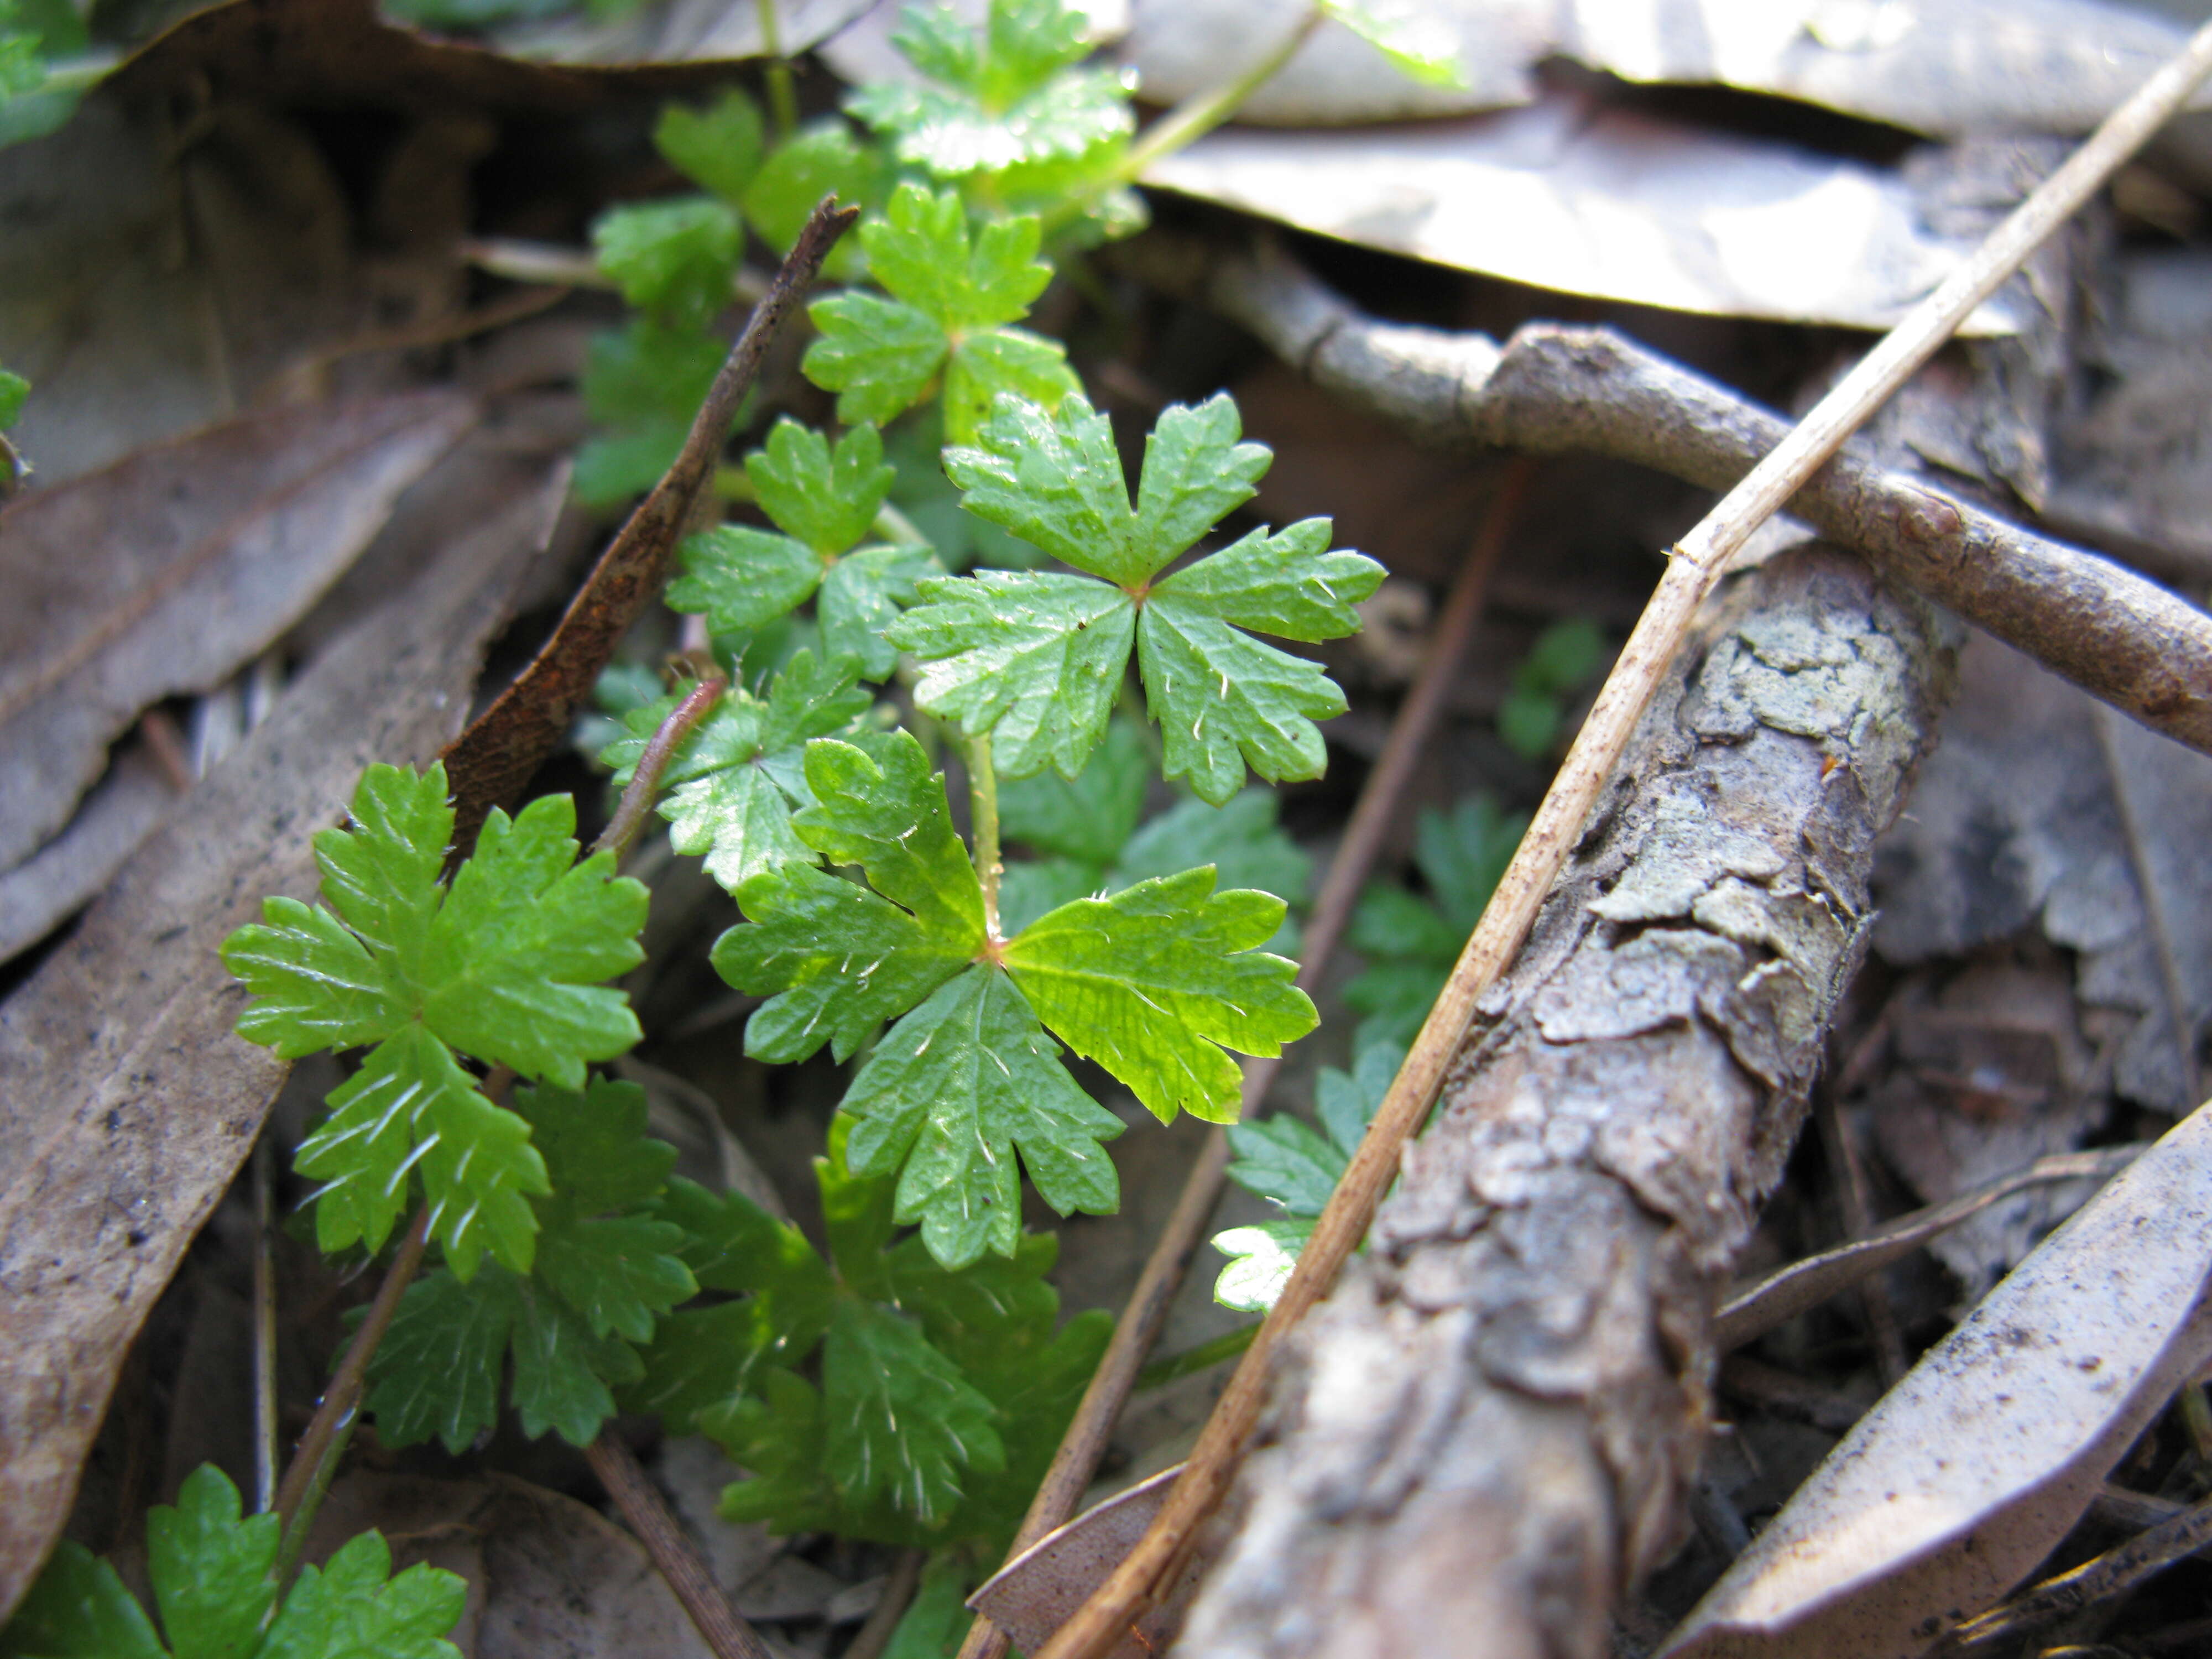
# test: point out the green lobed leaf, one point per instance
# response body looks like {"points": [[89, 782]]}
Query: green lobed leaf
{"points": [[77, 1608], [597, 1278], [525, 931], [719, 147], [14, 391], [1026, 658], [1090, 816], [352, 1607], [864, 594], [1003, 95], [742, 578], [1225, 701], [953, 297], [1034, 657], [1288, 584], [877, 355], [209, 1566], [1029, 888], [950, 1094], [1055, 480], [1260, 1259], [826, 498], [1154, 982], [675, 259], [903, 1421], [1284, 1160], [642, 385], [1418, 47], [822, 158], [883, 809], [411, 1107]]}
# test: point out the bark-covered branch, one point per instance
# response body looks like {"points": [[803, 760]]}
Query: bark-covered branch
{"points": [[1553, 389], [1490, 1425]]}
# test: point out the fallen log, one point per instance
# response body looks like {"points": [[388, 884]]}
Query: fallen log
{"points": [[1491, 1424]]}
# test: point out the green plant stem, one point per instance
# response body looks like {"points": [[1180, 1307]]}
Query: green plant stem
{"points": [[293, 1544], [333, 1416], [782, 92], [644, 789], [894, 526], [983, 823], [1195, 117], [1191, 1361]]}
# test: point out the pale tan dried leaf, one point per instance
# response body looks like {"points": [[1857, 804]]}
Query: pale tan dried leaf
{"points": [[1948, 70], [1571, 195], [126, 1101], [1972, 1468], [165, 571]]}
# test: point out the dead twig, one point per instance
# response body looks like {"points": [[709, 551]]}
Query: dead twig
{"points": [[1557, 389], [1380, 798], [1696, 567], [2115, 1572], [1789, 1291], [719, 1624], [494, 758]]}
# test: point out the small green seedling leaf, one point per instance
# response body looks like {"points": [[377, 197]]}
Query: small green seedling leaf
{"points": [[1036, 659], [211, 1570], [1154, 982], [947, 1098], [719, 147], [1285, 1162], [998, 98], [954, 299], [606, 1268], [674, 260], [1421, 48], [970, 1353], [14, 390], [643, 384], [838, 957], [732, 785], [505, 965], [823, 159], [826, 501], [1564, 657], [1411, 943]]}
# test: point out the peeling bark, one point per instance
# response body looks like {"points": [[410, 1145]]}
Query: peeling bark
{"points": [[1488, 1430]]}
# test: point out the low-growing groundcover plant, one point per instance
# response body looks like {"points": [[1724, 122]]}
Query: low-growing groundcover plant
{"points": [[1054, 646]]}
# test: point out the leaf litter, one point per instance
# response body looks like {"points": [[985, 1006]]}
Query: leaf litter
{"points": [[1961, 1041]]}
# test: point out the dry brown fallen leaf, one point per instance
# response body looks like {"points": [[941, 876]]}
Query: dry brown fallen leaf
{"points": [[1572, 194], [1968, 1473], [549, 1577], [65, 874], [165, 571], [2038, 812], [126, 1101], [1963, 66]]}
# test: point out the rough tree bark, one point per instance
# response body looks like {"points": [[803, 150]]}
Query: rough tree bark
{"points": [[1488, 1429]]}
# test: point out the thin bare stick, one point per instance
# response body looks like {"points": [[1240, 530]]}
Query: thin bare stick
{"points": [[1380, 798], [489, 762], [678, 1559], [2114, 1573], [344, 1393], [1692, 574], [644, 787], [883, 1618], [1789, 1291], [266, 1454]]}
